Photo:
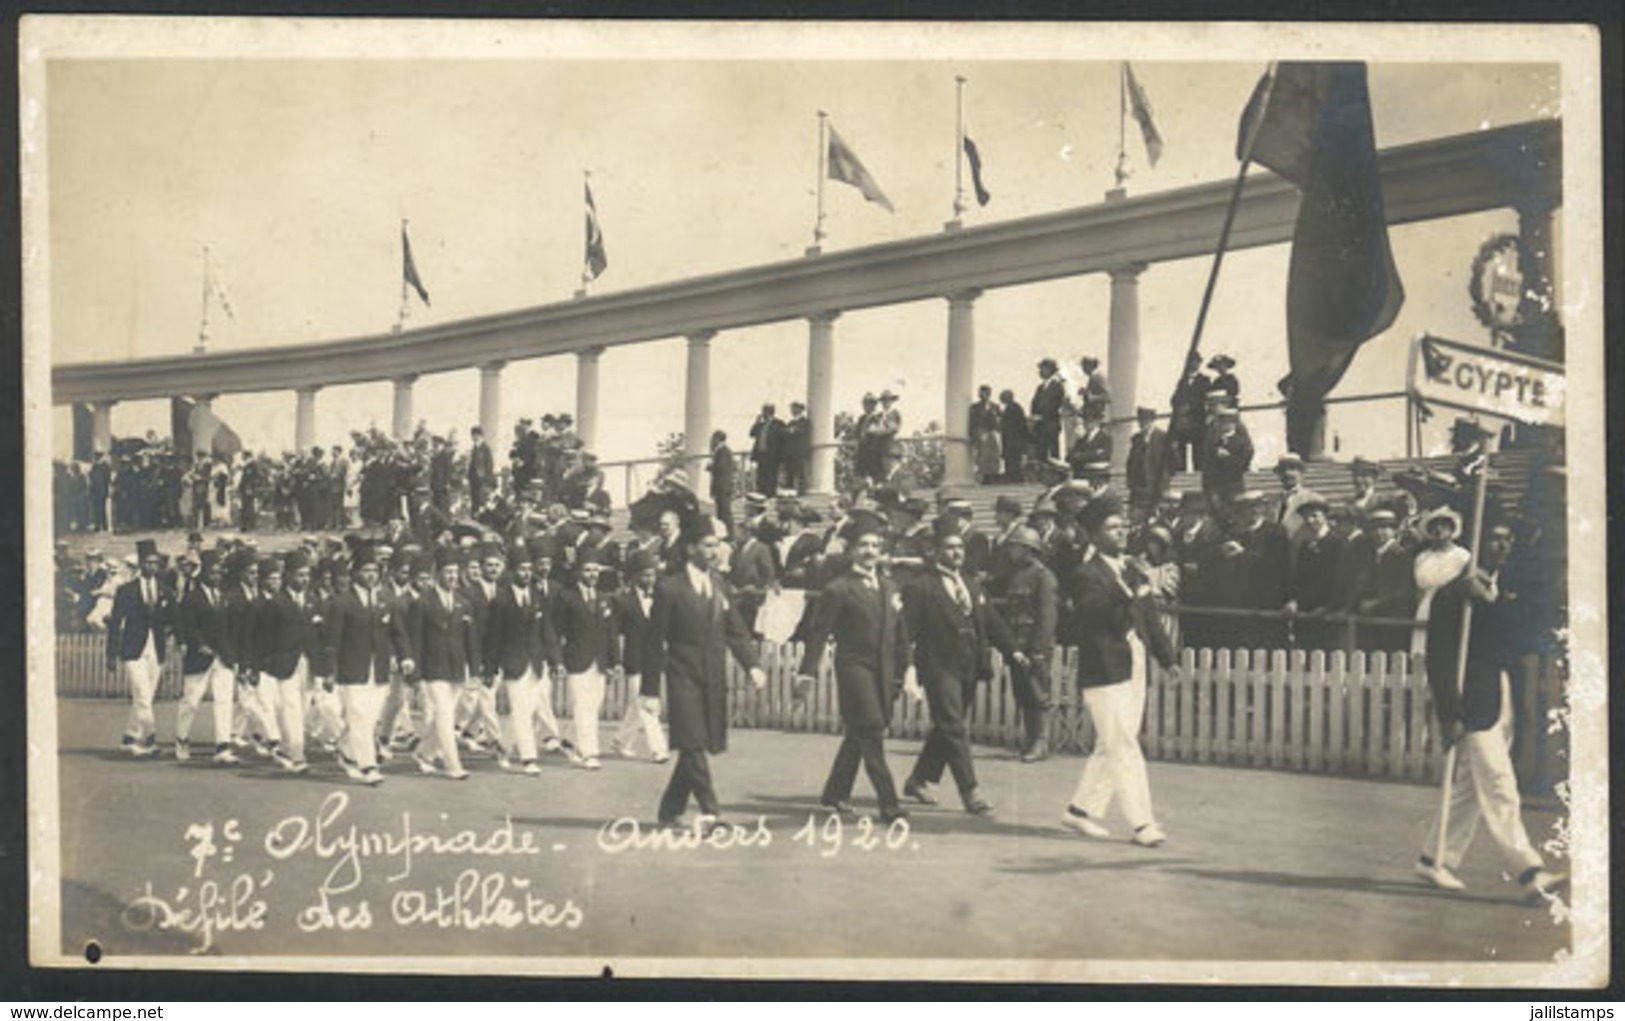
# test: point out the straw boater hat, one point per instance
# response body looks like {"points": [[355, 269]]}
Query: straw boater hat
{"points": [[1221, 362], [1443, 512]]}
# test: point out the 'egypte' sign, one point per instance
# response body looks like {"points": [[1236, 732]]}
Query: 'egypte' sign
{"points": [[1487, 381]]}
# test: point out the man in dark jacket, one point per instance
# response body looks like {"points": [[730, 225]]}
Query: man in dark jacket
{"points": [[1116, 622], [1382, 580], [1315, 588], [953, 628], [204, 666], [863, 612], [481, 471], [101, 480], [721, 469], [445, 649], [1013, 437], [1048, 400], [256, 717], [1026, 597], [692, 627], [520, 646], [585, 624], [632, 606], [796, 448], [366, 631], [1227, 456], [766, 441], [1149, 465], [287, 640], [137, 633], [1476, 720]]}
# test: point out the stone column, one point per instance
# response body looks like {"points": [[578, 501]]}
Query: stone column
{"points": [[1123, 358], [101, 426], [491, 400], [587, 396], [304, 421], [821, 401], [401, 426], [697, 406], [960, 389]]}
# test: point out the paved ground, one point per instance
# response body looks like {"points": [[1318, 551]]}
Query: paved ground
{"points": [[1261, 866]]}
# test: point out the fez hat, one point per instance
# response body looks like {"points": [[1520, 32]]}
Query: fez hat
{"points": [[544, 546], [943, 526], [209, 559], [270, 566], [445, 556], [424, 562], [145, 548], [702, 526], [297, 558], [364, 556], [490, 550], [518, 555], [641, 560]]}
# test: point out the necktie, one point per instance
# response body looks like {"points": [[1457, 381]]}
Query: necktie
{"points": [[146, 592], [961, 596]]}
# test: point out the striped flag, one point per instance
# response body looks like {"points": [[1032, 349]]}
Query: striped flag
{"points": [[409, 267], [1140, 107], [974, 157], [596, 260], [844, 166]]}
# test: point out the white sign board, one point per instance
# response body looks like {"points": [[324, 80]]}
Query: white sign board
{"points": [[1486, 381]]}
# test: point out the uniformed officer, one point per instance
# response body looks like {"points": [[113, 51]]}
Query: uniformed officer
{"points": [[1027, 599]]}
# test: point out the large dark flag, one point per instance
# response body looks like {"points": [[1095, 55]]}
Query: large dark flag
{"points": [[1312, 125], [1139, 105], [409, 267], [974, 157], [844, 166], [596, 260]]}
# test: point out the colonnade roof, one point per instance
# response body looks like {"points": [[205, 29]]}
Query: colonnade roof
{"points": [[1517, 165]]}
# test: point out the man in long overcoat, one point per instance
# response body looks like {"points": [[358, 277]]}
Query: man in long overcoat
{"points": [[693, 625]]}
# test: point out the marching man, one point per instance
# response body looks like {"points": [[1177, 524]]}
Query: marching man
{"points": [[137, 631], [286, 636], [693, 625], [440, 629], [1477, 722], [632, 608], [365, 631], [205, 663], [519, 645]]}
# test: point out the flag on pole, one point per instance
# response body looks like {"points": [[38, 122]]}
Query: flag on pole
{"points": [[1140, 107], [843, 165], [596, 260], [974, 157], [409, 267], [1312, 125], [218, 289]]}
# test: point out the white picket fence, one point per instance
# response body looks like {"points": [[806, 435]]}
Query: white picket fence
{"points": [[1352, 715]]}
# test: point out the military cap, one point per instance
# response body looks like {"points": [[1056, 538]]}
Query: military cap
{"points": [[1028, 537]]}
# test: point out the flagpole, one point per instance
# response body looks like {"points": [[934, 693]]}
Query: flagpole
{"points": [[586, 266], [1229, 221], [823, 157], [1122, 123], [1445, 791], [959, 148], [400, 320], [203, 315]]}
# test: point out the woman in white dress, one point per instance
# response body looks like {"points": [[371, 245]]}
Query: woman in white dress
{"points": [[220, 495], [1437, 565]]}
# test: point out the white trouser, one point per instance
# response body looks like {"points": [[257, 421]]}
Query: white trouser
{"points": [[440, 723], [546, 719], [324, 711], [361, 703], [397, 700], [217, 681], [586, 699], [142, 676], [289, 698], [642, 716], [1116, 767], [477, 706], [256, 709], [1485, 789], [519, 726]]}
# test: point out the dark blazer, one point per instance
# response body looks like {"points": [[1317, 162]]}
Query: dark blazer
{"points": [[241, 608], [285, 631], [871, 646], [1105, 612], [1317, 575], [362, 636], [767, 438], [1148, 466], [797, 569], [1090, 449], [795, 439], [519, 638], [722, 468], [131, 621], [481, 470], [1226, 461], [1490, 650], [443, 640], [632, 627], [1048, 399], [949, 643], [586, 634], [1013, 428], [479, 605], [688, 642], [202, 630]]}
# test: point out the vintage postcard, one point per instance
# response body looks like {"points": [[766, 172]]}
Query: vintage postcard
{"points": [[1051, 502]]}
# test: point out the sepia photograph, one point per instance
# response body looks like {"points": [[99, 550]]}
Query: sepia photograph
{"points": [[1074, 502]]}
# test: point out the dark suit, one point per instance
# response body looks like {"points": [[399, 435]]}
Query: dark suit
{"points": [[132, 621], [363, 637], [1046, 406], [722, 470], [1090, 448], [751, 575], [632, 628], [202, 631], [795, 449], [1491, 641], [481, 476], [766, 441], [1028, 600], [871, 652], [1225, 463], [1106, 611], [1317, 581], [442, 640], [1013, 439], [1149, 468], [586, 634], [688, 642], [952, 652], [285, 632], [1384, 583], [519, 638]]}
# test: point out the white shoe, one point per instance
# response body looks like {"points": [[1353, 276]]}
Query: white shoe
{"points": [[183, 751], [661, 759], [552, 744], [506, 764], [531, 768], [457, 774], [1084, 824], [351, 770], [1439, 876], [1544, 885], [226, 757], [371, 776], [425, 767], [1150, 835], [591, 763]]}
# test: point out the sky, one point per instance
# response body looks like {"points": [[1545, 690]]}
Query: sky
{"points": [[296, 173]]}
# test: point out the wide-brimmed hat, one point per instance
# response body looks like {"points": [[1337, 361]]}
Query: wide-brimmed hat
{"points": [[1443, 512], [1028, 537], [1221, 362]]}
